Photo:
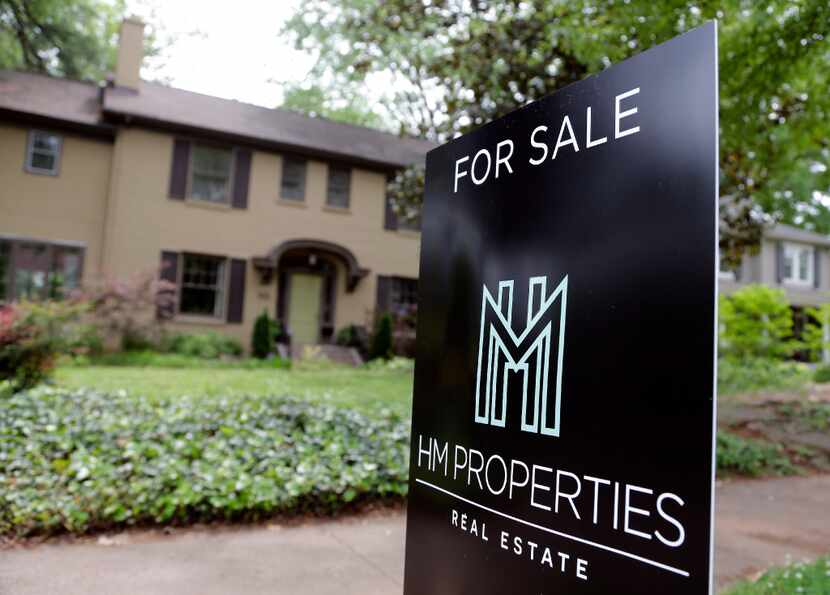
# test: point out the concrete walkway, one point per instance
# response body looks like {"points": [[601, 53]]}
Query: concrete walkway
{"points": [[759, 523]]}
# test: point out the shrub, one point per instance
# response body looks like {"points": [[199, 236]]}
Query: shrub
{"points": [[202, 345], [262, 341], [756, 322], [822, 374], [124, 310], [85, 460], [751, 457], [354, 336], [32, 336], [382, 339], [755, 375], [810, 578], [154, 359]]}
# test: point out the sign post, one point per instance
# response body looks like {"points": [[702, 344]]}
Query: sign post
{"points": [[564, 408]]}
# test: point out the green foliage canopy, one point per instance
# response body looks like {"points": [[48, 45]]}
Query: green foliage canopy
{"points": [[77, 39], [457, 64], [317, 101]]}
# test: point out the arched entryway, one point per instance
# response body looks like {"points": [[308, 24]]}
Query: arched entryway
{"points": [[307, 274]]}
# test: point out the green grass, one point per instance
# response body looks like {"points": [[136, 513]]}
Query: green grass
{"points": [[368, 390], [796, 579]]}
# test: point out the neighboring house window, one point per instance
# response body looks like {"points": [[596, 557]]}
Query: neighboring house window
{"points": [[43, 153], [202, 286], [210, 173], [38, 270], [798, 264], [339, 186], [293, 179]]}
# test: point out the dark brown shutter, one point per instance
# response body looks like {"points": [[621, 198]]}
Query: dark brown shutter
{"points": [[236, 290], [779, 262], [168, 271], [816, 267], [178, 170], [384, 287], [241, 175]]}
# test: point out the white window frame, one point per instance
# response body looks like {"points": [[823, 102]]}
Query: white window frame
{"points": [[191, 172], [222, 288], [793, 251], [30, 151]]}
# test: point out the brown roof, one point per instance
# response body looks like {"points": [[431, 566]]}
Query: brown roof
{"points": [[45, 98], [287, 130], [782, 231], [75, 103]]}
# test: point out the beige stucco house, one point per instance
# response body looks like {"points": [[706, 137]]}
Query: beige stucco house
{"points": [[245, 208]]}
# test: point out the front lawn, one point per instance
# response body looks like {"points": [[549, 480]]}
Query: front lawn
{"points": [[369, 389]]}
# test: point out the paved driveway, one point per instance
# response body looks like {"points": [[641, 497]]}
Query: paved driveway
{"points": [[759, 523]]}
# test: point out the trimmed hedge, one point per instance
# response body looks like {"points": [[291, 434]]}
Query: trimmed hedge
{"points": [[84, 460]]}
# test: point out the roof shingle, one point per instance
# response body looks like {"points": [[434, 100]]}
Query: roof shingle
{"points": [[77, 103], [166, 105]]}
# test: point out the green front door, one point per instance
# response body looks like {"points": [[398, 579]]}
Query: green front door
{"points": [[304, 308]]}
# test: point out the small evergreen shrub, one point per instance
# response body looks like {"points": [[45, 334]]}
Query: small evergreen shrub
{"points": [[262, 341], [822, 374], [381, 346]]}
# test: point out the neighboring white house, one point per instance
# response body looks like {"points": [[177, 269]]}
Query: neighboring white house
{"points": [[793, 259]]}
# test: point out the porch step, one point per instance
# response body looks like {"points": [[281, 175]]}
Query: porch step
{"points": [[335, 353]]}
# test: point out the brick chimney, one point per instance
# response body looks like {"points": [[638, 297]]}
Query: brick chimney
{"points": [[130, 53]]}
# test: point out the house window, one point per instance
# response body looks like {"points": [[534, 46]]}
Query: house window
{"points": [[293, 179], [202, 290], [210, 174], [403, 294], [38, 270], [339, 185], [410, 219], [43, 153], [798, 264]]}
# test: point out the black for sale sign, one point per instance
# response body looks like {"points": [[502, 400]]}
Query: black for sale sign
{"points": [[563, 417]]}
